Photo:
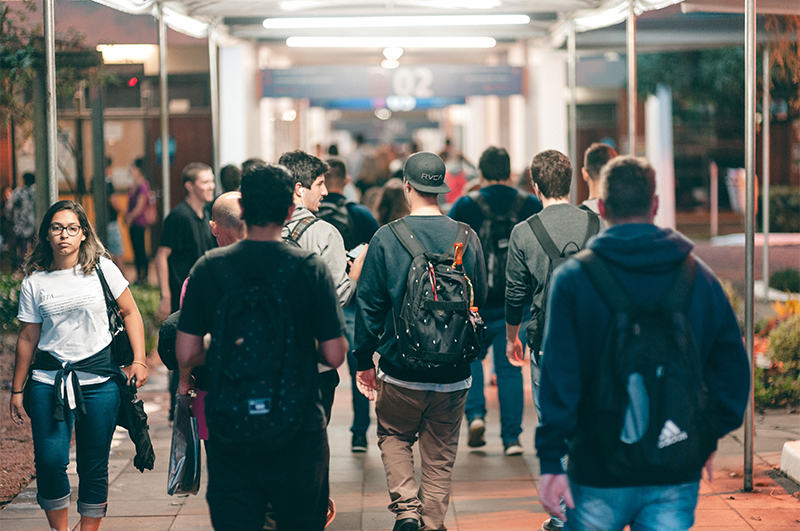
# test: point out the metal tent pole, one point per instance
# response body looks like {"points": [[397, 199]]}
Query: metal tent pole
{"points": [[632, 98], [749, 219], [572, 75], [213, 64], [162, 78], [765, 152], [52, 118]]}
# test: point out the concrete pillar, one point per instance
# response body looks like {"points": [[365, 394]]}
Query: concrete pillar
{"points": [[546, 113], [658, 128], [240, 115]]}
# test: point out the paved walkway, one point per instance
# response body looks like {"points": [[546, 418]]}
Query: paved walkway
{"points": [[490, 491]]}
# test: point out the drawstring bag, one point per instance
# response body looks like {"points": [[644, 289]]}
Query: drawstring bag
{"points": [[184, 456]]}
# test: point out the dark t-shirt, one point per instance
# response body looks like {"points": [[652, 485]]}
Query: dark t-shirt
{"points": [[189, 236], [316, 313]]}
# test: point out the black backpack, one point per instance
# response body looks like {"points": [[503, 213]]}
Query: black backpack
{"points": [[647, 409], [338, 215], [437, 325], [494, 234], [259, 385], [299, 229], [557, 257]]}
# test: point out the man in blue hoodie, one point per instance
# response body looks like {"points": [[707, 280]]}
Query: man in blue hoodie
{"points": [[645, 259]]}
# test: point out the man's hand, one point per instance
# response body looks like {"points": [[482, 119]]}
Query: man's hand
{"points": [[164, 309], [365, 381], [357, 264], [514, 352], [553, 489]]}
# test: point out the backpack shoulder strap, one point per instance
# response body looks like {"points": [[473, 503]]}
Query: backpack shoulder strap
{"points": [[544, 237], [516, 206], [403, 232], [679, 295], [480, 202], [301, 227], [586, 208], [593, 227], [605, 282], [462, 237]]}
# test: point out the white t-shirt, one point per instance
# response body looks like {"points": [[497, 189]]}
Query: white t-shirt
{"points": [[72, 310]]}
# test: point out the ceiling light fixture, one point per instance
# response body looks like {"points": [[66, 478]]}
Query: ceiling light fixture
{"points": [[390, 42], [390, 64], [393, 54], [396, 21]]}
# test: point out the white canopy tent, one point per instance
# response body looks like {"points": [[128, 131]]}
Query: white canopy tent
{"points": [[553, 23]]}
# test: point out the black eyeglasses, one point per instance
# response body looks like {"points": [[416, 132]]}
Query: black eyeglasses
{"points": [[57, 230]]}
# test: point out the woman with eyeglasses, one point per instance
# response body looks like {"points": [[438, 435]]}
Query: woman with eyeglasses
{"points": [[64, 354]]}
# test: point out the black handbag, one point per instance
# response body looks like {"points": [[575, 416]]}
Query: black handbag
{"points": [[184, 456], [120, 342]]}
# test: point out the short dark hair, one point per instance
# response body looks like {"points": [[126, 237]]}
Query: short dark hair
{"points": [[551, 171], [596, 156], [337, 172], [627, 187], [28, 178], [230, 176], [193, 170], [495, 164], [253, 161], [267, 193], [304, 167]]}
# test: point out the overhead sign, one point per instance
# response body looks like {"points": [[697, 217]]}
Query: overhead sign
{"points": [[423, 82], [393, 103]]}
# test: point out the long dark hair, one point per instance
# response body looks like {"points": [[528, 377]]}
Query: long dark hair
{"points": [[41, 257]]}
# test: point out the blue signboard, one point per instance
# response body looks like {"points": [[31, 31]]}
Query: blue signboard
{"points": [[393, 103], [422, 82]]}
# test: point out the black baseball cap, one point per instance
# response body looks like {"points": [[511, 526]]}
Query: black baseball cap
{"points": [[425, 172]]}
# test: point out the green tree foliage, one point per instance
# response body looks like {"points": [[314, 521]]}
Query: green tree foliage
{"points": [[17, 57]]}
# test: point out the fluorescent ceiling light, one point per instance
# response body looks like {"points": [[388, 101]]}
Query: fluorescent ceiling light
{"points": [[387, 42], [396, 22], [127, 53]]}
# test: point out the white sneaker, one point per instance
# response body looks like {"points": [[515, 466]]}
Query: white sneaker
{"points": [[476, 430], [513, 448]]}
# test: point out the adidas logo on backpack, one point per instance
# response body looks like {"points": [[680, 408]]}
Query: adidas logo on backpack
{"points": [[671, 434]]}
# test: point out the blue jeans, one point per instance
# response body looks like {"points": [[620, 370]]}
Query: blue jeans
{"points": [[360, 402], [649, 508], [510, 392], [51, 440]]}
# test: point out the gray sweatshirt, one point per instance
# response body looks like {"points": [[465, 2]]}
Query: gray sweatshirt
{"points": [[528, 263]]}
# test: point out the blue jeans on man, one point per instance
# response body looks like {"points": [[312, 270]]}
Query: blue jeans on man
{"points": [[510, 391], [360, 402], [644, 508], [51, 445]]}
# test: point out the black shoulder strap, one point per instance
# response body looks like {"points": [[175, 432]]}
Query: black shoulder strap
{"points": [[480, 201], [403, 232], [415, 248], [605, 282], [615, 294], [301, 227], [586, 208], [592, 228], [516, 206], [111, 302], [544, 237], [679, 295]]}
